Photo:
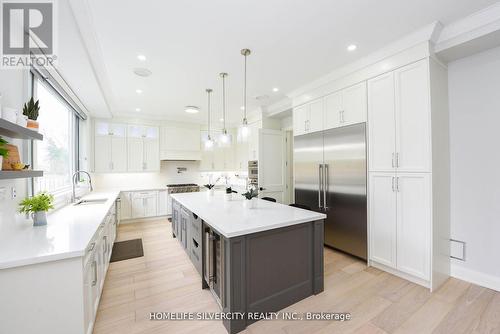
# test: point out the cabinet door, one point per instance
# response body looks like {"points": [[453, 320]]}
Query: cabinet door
{"points": [[151, 155], [229, 158], [137, 206], [413, 144], [381, 123], [162, 203], [218, 156], [118, 130], [414, 223], [354, 104], [241, 163], [300, 117], [102, 154], [136, 131], [118, 154], [135, 155], [207, 161], [382, 202], [87, 295], [316, 116], [125, 206], [150, 205], [333, 109], [253, 142]]}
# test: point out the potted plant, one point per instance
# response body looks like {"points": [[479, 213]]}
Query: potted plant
{"points": [[31, 110], [251, 198], [37, 206], [210, 188], [4, 152]]}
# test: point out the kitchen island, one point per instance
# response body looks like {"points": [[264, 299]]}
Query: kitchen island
{"points": [[260, 259]]}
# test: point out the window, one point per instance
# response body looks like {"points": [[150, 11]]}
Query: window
{"points": [[56, 155]]}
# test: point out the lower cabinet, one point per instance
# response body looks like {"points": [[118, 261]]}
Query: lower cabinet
{"points": [[144, 204], [400, 222]]}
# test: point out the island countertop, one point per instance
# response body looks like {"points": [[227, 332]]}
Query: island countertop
{"points": [[231, 218]]}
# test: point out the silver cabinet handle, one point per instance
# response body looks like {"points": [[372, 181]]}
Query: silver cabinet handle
{"points": [[94, 264], [342, 120], [397, 160], [397, 184], [393, 163], [320, 184], [325, 185], [393, 183], [91, 248]]}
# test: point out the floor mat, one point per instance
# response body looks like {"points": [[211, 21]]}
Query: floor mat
{"points": [[129, 249]]}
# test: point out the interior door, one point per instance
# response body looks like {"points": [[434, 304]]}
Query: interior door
{"points": [[345, 189], [271, 164], [383, 218], [381, 123], [413, 137], [307, 158], [414, 223]]}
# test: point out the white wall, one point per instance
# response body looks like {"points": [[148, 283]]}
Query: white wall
{"points": [[474, 93]]}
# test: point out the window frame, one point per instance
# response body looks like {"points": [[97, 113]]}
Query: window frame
{"points": [[61, 195]]}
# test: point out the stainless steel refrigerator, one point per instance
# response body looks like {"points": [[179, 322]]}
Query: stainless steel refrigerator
{"points": [[330, 177]]}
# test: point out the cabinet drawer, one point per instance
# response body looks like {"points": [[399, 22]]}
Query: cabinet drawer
{"points": [[196, 254], [196, 227]]}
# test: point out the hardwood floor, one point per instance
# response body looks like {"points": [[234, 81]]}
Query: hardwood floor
{"points": [[164, 280]]}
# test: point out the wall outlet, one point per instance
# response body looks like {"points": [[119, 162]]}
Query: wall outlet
{"points": [[13, 192]]}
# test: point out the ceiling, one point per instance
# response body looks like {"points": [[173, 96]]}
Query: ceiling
{"points": [[187, 43]]}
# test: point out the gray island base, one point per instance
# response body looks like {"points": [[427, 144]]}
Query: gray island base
{"points": [[263, 271]]}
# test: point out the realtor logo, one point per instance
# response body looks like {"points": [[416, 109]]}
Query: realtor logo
{"points": [[27, 33]]}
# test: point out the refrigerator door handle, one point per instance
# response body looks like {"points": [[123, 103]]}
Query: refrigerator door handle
{"points": [[325, 185], [320, 184]]}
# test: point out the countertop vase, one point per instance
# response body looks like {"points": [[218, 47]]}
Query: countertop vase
{"points": [[250, 204], [39, 218]]}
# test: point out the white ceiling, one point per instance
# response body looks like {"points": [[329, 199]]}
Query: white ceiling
{"points": [[187, 43]]}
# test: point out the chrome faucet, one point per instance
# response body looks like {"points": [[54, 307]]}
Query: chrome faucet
{"points": [[74, 179]]}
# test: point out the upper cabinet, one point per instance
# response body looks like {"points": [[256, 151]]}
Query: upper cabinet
{"points": [[179, 143], [399, 120], [345, 107], [125, 148]]}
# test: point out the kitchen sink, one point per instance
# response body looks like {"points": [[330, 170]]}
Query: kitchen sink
{"points": [[91, 201]]}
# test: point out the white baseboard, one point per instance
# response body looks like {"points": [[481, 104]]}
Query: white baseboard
{"points": [[475, 277]]}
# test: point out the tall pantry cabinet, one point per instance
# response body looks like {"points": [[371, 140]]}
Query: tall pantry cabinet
{"points": [[408, 172]]}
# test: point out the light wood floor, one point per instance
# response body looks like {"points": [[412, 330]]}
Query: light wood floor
{"points": [[164, 280]]}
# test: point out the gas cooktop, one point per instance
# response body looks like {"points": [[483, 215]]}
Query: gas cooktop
{"points": [[182, 185]]}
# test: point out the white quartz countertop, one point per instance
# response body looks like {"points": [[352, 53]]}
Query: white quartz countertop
{"points": [[231, 218], [67, 233]]}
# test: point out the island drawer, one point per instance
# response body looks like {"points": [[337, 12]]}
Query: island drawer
{"points": [[196, 227], [196, 255]]}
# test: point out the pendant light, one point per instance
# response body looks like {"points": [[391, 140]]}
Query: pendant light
{"points": [[209, 143], [224, 139], [243, 131]]}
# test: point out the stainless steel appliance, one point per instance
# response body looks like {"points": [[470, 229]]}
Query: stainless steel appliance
{"points": [[253, 173], [213, 263], [182, 188], [330, 177]]}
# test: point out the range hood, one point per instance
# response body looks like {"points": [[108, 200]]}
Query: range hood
{"points": [[178, 155]]}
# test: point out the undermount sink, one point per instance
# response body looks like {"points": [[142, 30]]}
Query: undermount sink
{"points": [[91, 201]]}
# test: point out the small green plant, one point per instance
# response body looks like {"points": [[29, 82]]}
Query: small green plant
{"points": [[31, 109], [250, 194], [40, 202], [3, 151], [209, 186]]}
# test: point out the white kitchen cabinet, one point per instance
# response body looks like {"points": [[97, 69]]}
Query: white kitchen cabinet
{"points": [[333, 110], [414, 223], [253, 141], [163, 203], [399, 120], [308, 118], [125, 205], [300, 119], [381, 123], [413, 120], [354, 106], [143, 155], [151, 155], [110, 148], [241, 156], [180, 143], [383, 218], [151, 205], [144, 204]]}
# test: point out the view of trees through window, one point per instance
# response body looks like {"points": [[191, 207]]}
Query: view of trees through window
{"points": [[55, 154]]}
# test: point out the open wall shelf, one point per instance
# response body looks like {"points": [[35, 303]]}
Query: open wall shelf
{"points": [[21, 174], [12, 130]]}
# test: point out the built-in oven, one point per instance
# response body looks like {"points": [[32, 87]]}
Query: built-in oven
{"points": [[213, 263], [253, 173]]}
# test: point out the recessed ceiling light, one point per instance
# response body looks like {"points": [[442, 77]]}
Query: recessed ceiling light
{"points": [[352, 47], [141, 57], [138, 91], [137, 109], [142, 72], [275, 89], [191, 109]]}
